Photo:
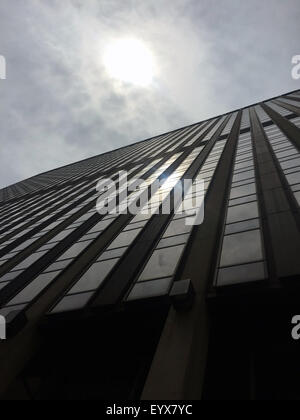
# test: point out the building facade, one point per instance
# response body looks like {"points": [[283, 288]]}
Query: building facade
{"points": [[143, 306]]}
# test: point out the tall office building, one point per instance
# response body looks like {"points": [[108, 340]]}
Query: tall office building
{"points": [[123, 306]]}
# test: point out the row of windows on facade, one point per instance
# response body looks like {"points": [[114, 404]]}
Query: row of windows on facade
{"points": [[247, 173], [182, 168], [89, 201], [124, 156], [28, 219], [191, 138], [242, 256], [175, 140], [79, 221]]}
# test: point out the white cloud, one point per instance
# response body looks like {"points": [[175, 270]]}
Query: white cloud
{"points": [[59, 105]]}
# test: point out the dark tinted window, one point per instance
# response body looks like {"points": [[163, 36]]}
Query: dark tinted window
{"points": [[242, 248], [177, 227], [243, 200], [75, 250], [93, 278], [150, 289], [243, 190], [174, 240], [293, 178], [73, 302], [241, 274], [242, 226], [124, 239], [33, 289], [242, 212], [162, 263]]}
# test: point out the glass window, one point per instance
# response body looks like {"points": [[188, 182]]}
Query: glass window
{"points": [[30, 260], [244, 165], [173, 240], [100, 226], [75, 250], [90, 236], [115, 253], [243, 200], [295, 187], [242, 226], [241, 248], [293, 178], [72, 302], [163, 263], [244, 156], [150, 289], [132, 226], [58, 265], [241, 274], [93, 278], [289, 152], [61, 235], [124, 239], [33, 289], [283, 146], [243, 190], [6, 311], [242, 212], [292, 170], [242, 176], [177, 227], [10, 276], [244, 150], [24, 244]]}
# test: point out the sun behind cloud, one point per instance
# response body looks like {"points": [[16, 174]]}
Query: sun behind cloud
{"points": [[130, 61]]}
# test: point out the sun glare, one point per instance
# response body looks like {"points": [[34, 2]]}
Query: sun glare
{"points": [[130, 61]]}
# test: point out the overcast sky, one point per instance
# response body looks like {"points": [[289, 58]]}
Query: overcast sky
{"points": [[59, 104]]}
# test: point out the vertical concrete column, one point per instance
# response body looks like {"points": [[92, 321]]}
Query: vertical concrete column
{"points": [[178, 368]]}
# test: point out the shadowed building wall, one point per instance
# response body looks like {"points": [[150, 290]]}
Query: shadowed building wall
{"points": [[148, 306]]}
